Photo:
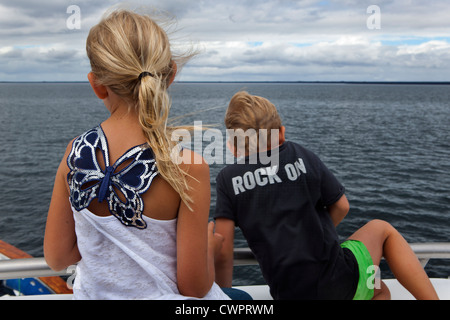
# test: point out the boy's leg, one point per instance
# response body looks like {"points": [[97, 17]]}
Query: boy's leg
{"points": [[381, 239], [382, 293]]}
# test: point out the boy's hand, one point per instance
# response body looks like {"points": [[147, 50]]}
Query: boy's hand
{"points": [[224, 260], [215, 240]]}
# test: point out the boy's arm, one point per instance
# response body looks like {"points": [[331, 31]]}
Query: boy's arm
{"points": [[224, 260], [339, 210]]}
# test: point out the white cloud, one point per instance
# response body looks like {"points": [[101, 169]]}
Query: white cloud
{"points": [[247, 39], [346, 58]]}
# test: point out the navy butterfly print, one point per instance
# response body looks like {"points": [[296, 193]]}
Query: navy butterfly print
{"points": [[87, 180]]}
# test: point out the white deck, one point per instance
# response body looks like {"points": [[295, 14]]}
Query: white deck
{"points": [[261, 292], [442, 287]]}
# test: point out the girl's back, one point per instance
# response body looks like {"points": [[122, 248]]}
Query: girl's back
{"points": [[161, 201]]}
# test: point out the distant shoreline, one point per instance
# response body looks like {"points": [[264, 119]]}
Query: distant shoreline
{"points": [[276, 82]]}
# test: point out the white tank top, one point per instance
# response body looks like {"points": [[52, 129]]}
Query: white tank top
{"points": [[120, 262]]}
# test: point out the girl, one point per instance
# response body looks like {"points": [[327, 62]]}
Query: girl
{"points": [[134, 221]]}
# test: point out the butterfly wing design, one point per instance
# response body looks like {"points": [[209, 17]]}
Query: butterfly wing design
{"points": [[88, 181], [85, 174], [132, 181]]}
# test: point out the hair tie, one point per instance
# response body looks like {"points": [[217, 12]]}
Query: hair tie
{"points": [[144, 74]]}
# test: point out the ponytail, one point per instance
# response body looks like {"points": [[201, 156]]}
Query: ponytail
{"points": [[154, 105]]}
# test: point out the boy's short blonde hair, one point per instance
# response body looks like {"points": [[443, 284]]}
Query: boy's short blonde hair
{"points": [[252, 113]]}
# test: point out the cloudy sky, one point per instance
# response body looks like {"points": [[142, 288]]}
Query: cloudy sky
{"points": [[246, 40]]}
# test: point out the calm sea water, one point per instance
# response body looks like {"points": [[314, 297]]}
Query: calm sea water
{"points": [[388, 144]]}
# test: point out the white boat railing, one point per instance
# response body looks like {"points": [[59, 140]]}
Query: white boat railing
{"points": [[37, 267], [28, 268], [424, 252]]}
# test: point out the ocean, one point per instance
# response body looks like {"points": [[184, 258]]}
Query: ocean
{"points": [[389, 145]]}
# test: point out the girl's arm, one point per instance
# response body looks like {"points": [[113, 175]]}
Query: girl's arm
{"points": [[224, 261], [196, 243], [60, 241]]}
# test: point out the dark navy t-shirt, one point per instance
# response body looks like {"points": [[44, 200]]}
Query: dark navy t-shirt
{"points": [[280, 207]]}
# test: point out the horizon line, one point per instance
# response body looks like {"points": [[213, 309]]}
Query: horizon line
{"points": [[280, 81]]}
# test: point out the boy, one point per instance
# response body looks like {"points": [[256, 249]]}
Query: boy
{"points": [[288, 211]]}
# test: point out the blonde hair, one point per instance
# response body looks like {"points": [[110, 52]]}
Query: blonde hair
{"points": [[253, 114], [122, 46]]}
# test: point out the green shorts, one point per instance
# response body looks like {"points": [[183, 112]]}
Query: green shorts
{"points": [[364, 291]]}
